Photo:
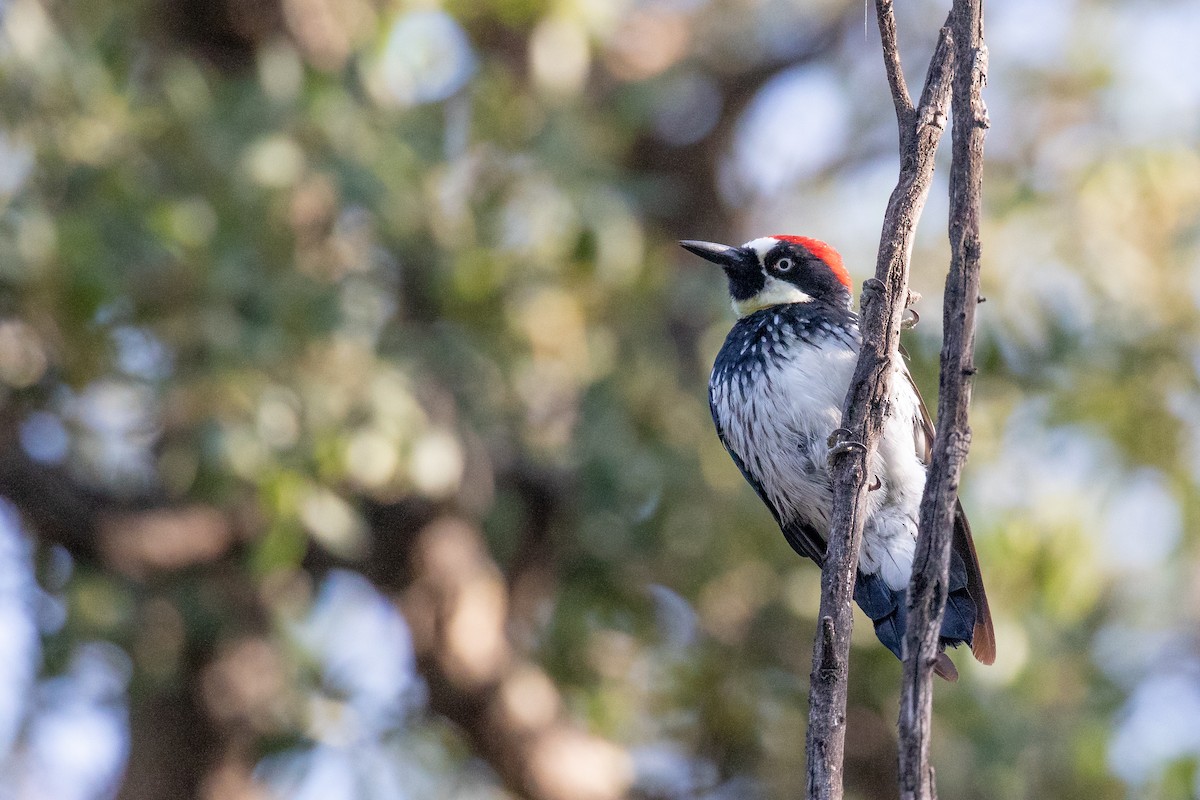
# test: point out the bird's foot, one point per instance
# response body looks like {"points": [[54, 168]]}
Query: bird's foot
{"points": [[837, 435], [909, 322], [871, 285], [839, 444]]}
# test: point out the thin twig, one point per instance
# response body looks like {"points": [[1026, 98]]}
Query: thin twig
{"points": [[930, 577], [883, 302], [901, 99]]}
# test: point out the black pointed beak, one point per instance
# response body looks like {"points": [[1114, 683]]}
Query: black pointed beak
{"points": [[731, 258]]}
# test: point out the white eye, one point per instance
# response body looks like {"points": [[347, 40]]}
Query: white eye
{"points": [[783, 264]]}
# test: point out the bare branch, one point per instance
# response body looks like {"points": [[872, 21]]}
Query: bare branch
{"points": [[883, 302], [928, 589], [905, 112]]}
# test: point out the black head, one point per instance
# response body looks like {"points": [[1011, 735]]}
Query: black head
{"points": [[779, 269]]}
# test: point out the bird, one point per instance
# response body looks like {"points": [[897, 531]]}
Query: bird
{"points": [[776, 392]]}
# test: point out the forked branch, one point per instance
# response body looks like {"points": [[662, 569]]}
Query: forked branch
{"points": [[882, 307]]}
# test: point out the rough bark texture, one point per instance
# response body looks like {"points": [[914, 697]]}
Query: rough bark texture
{"points": [[927, 591], [883, 302]]}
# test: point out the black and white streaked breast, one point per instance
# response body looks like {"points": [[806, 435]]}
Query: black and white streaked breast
{"points": [[776, 393]]}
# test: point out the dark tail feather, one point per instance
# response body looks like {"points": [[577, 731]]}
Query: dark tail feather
{"points": [[888, 609], [958, 623], [983, 638]]}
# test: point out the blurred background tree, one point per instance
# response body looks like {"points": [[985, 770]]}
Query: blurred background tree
{"points": [[355, 432]]}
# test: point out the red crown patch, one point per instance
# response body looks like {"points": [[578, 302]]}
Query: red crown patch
{"points": [[826, 253]]}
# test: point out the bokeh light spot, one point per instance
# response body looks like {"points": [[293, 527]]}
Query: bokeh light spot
{"points": [[275, 162], [427, 58], [22, 358], [437, 463], [796, 125], [45, 438], [559, 55]]}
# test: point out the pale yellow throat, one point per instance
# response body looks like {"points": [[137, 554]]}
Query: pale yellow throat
{"points": [[774, 293]]}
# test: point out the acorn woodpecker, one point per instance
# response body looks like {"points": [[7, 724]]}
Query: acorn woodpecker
{"points": [[776, 395]]}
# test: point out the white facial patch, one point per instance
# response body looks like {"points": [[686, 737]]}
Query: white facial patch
{"points": [[775, 292], [761, 246]]}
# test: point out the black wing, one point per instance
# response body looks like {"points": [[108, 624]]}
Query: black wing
{"points": [[983, 645], [803, 537]]}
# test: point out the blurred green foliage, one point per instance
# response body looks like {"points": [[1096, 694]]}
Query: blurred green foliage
{"points": [[299, 260]]}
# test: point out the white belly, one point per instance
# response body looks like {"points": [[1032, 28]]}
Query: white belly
{"points": [[778, 423]]}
